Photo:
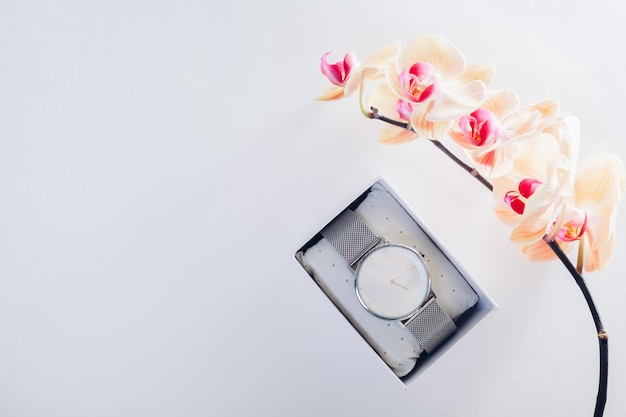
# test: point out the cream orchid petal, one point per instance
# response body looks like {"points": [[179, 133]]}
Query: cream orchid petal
{"points": [[598, 189], [501, 102], [384, 99], [566, 131], [481, 72], [393, 135], [392, 78], [539, 251], [363, 74], [532, 227], [455, 102], [597, 258], [428, 128], [521, 122], [600, 183], [537, 157], [506, 215], [380, 58], [548, 110], [437, 51], [531, 118], [498, 161], [331, 92], [527, 234], [460, 139], [599, 230]]}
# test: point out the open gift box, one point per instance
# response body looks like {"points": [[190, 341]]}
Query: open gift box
{"points": [[447, 306]]}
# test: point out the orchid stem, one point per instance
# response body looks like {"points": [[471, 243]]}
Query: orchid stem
{"points": [[603, 338], [376, 115], [363, 106], [471, 170]]}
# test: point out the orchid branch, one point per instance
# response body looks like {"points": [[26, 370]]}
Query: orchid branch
{"points": [[375, 114], [603, 338]]}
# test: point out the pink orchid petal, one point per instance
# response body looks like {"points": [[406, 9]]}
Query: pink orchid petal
{"points": [[350, 62], [488, 128], [338, 72], [334, 72], [479, 128], [513, 200], [421, 70], [428, 92], [467, 124], [404, 109], [416, 83], [528, 186]]}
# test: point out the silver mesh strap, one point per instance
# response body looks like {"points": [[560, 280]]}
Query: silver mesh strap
{"points": [[431, 325], [349, 234]]}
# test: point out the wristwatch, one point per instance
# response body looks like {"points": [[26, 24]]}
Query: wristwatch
{"points": [[392, 281]]}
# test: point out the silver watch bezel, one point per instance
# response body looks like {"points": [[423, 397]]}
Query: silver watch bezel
{"points": [[427, 293]]}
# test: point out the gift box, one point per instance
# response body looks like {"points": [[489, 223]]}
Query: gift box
{"points": [[400, 342]]}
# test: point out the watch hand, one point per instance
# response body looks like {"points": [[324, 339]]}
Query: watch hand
{"points": [[393, 280]]}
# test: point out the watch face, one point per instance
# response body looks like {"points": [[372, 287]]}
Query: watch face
{"points": [[392, 281]]}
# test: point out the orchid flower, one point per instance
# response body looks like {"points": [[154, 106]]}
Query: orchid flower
{"points": [[540, 181], [387, 103], [431, 74], [534, 191], [598, 191], [348, 75], [491, 133], [589, 216]]}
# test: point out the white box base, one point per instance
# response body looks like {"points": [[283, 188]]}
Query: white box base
{"points": [[388, 216]]}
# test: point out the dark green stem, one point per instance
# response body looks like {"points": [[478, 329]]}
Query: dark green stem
{"points": [[603, 337]]}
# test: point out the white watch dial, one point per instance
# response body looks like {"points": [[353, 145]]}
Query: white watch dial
{"points": [[392, 281]]}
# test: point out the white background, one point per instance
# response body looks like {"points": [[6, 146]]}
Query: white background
{"points": [[160, 162]]}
